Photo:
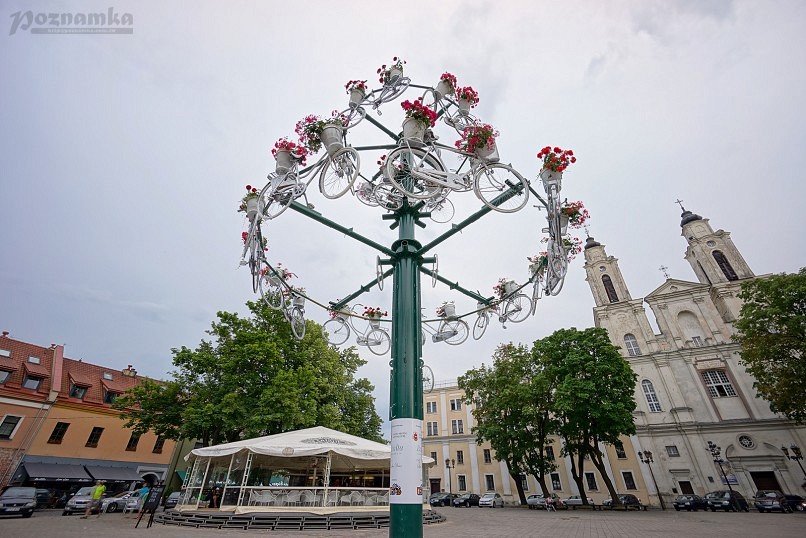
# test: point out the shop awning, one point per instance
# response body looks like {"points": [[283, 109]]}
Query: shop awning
{"points": [[117, 474], [56, 472], [181, 474]]}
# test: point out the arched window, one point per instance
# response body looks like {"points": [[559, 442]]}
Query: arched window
{"points": [[611, 291], [632, 345], [724, 264], [651, 398]]}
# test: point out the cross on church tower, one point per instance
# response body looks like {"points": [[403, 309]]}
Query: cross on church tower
{"points": [[679, 201], [587, 230], [663, 268]]}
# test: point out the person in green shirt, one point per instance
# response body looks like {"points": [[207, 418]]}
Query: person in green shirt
{"points": [[95, 499]]}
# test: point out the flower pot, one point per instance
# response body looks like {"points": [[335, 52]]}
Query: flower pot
{"points": [[510, 287], [393, 75], [251, 207], [413, 129], [488, 153], [331, 138], [443, 88], [464, 105], [299, 300], [449, 310], [551, 178], [356, 97], [284, 162], [537, 268], [375, 323]]}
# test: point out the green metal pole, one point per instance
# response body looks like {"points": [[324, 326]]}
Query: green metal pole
{"points": [[406, 394]]}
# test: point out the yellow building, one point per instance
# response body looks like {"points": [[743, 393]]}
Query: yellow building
{"points": [[447, 435]]}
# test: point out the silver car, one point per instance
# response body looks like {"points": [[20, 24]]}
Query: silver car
{"points": [[493, 500], [79, 501]]}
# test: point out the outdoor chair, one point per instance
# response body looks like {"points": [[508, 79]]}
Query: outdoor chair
{"points": [[332, 498], [356, 498], [292, 499], [308, 498]]}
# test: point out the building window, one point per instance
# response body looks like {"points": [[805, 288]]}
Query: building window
{"points": [[724, 264], [672, 451], [434, 456], [651, 398], [8, 426], [95, 436], [555, 482], [590, 478], [697, 341], [719, 386], [524, 482], [5, 353], [4, 375], [197, 444], [107, 376], [77, 391], [633, 350], [457, 427], [432, 429], [158, 445], [58, 432], [629, 481], [456, 405], [133, 440], [609, 289], [490, 480], [550, 453], [430, 407], [110, 396], [31, 382], [34, 360], [620, 453], [488, 458], [461, 482], [460, 456]]}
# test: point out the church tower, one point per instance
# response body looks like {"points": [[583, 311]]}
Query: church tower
{"points": [[624, 317], [712, 255]]}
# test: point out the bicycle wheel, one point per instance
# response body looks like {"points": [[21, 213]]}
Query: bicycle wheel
{"points": [[387, 196], [354, 116], [442, 211], [480, 326], [459, 329], [517, 308], [336, 331], [366, 194], [339, 173], [403, 164], [428, 379], [297, 322], [271, 290], [493, 180], [535, 295], [378, 341], [278, 200]]}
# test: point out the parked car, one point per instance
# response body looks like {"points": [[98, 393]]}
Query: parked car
{"points": [[78, 502], [116, 502], [628, 500], [575, 500], [771, 500], [173, 499], [17, 500], [689, 503], [727, 500], [538, 502], [796, 502], [42, 498], [468, 499], [442, 498], [493, 500]]}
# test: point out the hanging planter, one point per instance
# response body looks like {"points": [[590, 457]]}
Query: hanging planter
{"points": [[357, 90], [551, 178], [467, 98], [331, 138], [510, 287], [447, 310], [299, 300], [251, 207], [284, 162], [488, 152], [413, 129]]}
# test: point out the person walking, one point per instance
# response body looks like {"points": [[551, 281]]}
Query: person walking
{"points": [[95, 499]]}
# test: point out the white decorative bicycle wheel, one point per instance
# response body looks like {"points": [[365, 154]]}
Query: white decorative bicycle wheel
{"points": [[517, 308], [402, 165], [278, 201], [388, 197], [442, 211], [297, 323], [339, 173], [428, 379], [458, 327], [493, 180], [480, 326], [336, 331], [378, 341]]}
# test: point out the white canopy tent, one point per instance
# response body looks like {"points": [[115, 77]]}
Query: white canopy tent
{"points": [[337, 451]]}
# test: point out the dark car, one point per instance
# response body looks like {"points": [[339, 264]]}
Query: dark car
{"points": [[173, 499], [468, 499], [43, 498], [628, 500], [796, 502], [18, 501], [771, 500], [689, 503], [441, 499], [727, 500]]}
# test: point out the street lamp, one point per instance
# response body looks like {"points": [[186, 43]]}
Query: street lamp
{"points": [[450, 464], [796, 455], [646, 457], [716, 453]]}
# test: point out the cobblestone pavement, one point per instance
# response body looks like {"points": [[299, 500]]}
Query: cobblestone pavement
{"points": [[462, 522]]}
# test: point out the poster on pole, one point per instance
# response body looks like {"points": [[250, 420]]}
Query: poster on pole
{"points": [[406, 472]]}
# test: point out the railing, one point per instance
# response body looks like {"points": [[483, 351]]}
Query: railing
{"points": [[284, 496]]}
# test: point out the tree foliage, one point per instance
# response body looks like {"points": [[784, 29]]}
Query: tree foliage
{"points": [[251, 379], [771, 330]]}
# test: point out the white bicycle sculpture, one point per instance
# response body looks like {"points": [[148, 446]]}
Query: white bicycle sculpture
{"points": [[342, 323]]}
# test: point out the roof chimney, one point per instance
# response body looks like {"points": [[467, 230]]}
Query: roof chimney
{"points": [[5, 334]]}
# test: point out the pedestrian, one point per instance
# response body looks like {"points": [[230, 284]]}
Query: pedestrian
{"points": [[95, 499], [550, 504], [142, 493]]}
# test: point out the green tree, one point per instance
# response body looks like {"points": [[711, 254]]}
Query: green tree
{"points": [[593, 396], [253, 378], [513, 412], [771, 330]]}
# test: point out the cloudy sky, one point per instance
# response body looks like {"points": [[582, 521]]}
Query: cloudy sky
{"points": [[124, 156]]}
